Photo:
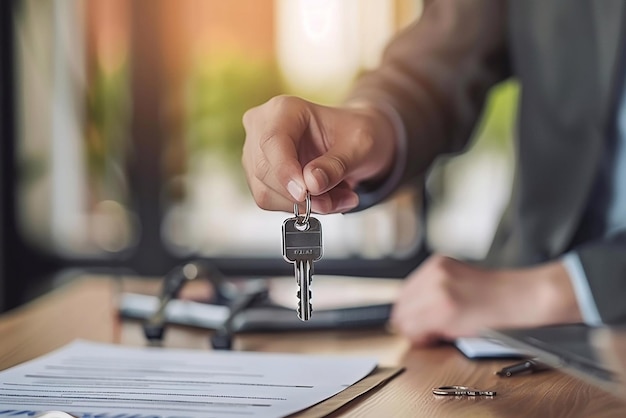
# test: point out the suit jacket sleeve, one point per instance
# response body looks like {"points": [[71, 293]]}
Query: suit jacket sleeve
{"points": [[435, 75]]}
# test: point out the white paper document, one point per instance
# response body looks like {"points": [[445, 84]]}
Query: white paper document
{"points": [[108, 381], [482, 347]]}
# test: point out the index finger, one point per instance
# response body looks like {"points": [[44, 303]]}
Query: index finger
{"points": [[274, 131]]}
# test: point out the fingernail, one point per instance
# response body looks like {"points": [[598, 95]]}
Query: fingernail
{"points": [[321, 178], [295, 190]]}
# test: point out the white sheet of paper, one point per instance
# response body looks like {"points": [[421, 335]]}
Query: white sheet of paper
{"points": [[482, 347], [93, 380]]}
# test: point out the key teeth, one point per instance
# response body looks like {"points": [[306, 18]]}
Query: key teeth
{"points": [[300, 315], [299, 294]]}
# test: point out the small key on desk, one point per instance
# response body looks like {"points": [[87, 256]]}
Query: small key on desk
{"points": [[302, 245]]}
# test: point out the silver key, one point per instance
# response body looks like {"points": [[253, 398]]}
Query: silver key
{"points": [[302, 245]]}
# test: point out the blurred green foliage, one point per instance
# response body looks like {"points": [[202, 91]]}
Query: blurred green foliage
{"points": [[107, 124], [220, 90], [496, 128]]}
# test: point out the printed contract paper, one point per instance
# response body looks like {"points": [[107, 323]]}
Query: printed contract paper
{"points": [[108, 381]]}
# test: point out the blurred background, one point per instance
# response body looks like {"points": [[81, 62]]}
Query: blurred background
{"points": [[121, 139]]}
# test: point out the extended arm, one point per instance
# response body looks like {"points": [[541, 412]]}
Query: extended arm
{"points": [[427, 94], [435, 75]]}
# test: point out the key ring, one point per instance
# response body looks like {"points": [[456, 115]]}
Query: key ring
{"points": [[296, 211], [461, 391]]}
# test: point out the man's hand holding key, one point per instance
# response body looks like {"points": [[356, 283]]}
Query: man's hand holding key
{"points": [[297, 151], [302, 245], [293, 146]]}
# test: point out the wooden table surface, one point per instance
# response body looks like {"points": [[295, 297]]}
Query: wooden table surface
{"points": [[86, 309]]}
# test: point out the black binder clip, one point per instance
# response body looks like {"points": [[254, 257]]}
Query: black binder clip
{"points": [[154, 326], [236, 299]]}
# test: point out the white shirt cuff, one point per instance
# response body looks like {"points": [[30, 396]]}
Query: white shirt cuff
{"points": [[586, 303]]}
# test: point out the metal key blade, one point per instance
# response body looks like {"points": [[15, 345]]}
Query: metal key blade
{"points": [[303, 269], [302, 245]]}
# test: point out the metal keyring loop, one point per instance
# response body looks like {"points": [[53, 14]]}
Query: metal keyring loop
{"points": [[307, 215], [451, 390], [455, 390]]}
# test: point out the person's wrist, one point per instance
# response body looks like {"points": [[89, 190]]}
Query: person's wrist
{"points": [[546, 294], [387, 135], [560, 299]]}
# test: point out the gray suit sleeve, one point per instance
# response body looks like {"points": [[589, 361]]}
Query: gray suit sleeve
{"points": [[435, 75]]}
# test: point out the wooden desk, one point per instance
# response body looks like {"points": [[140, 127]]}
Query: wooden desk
{"points": [[86, 309]]}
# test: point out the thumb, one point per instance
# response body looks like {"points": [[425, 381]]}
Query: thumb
{"points": [[358, 151], [331, 168]]}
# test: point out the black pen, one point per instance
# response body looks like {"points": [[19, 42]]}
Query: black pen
{"points": [[526, 366]]}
